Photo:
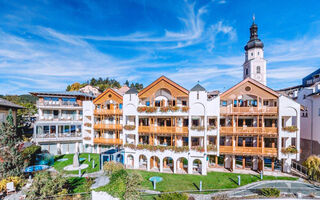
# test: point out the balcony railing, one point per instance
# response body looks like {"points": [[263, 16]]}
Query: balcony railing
{"points": [[248, 110], [52, 118], [249, 130], [108, 112], [59, 135], [163, 129], [248, 150], [108, 126], [58, 103], [108, 141]]}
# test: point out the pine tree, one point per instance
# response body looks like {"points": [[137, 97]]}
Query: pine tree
{"points": [[11, 160]]}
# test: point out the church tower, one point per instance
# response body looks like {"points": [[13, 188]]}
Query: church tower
{"points": [[255, 66]]}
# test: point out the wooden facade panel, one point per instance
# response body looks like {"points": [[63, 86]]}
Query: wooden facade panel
{"points": [[163, 83], [109, 94], [249, 87]]}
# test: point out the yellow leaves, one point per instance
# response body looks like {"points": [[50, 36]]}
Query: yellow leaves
{"points": [[17, 181]]}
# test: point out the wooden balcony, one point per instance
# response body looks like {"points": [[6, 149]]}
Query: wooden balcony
{"points": [[108, 141], [162, 130], [108, 126], [248, 130], [107, 112], [238, 150], [248, 110]]}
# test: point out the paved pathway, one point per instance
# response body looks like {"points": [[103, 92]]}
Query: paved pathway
{"points": [[100, 181], [292, 187]]}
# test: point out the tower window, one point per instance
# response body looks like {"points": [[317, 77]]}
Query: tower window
{"points": [[247, 71], [258, 52], [258, 69], [251, 54]]}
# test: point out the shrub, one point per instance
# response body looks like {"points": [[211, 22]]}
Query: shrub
{"points": [[211, 128], [211, 148], [44, 185], [185, 109], [29, 154], [172, 196], [198, 148], [112, 167], [197, 128], [289, 150], [174, 108], [269, 192], [17, 181], [123, 185], [164, 109], [220, 197], [133, 182], [129, 127], [158, 148], [151, 110], [290, 128], [313, 166]]}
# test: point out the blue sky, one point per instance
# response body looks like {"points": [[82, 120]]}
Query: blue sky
{"points": [[46, 45]]}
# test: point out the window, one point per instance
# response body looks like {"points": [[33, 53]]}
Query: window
{"points": [[198, 95], [2, 117], [195, 122], [319, 112], [258, 53], [251, 54], [265, 103], [184, 103], [157, 103], [258, 70], [224, 103], [147, 103], [247, 71]]}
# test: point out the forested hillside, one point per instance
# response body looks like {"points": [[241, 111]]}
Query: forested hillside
{"points": [[103, 84]]}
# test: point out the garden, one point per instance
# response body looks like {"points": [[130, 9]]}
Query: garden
{"points": [[61, 161]]}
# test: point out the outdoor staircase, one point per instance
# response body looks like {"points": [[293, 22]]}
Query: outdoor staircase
{"points": [[299, 170]]}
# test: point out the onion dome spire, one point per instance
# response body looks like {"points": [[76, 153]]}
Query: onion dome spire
{"points": [[254, 41]]}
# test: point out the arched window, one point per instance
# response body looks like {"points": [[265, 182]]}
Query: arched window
{"points": [[258, 70]]}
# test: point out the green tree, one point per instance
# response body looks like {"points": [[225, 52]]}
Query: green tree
{"points": [[12, 161], [313, 166], [75, 87], [44, 185]]}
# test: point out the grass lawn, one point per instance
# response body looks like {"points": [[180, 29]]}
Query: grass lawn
{"points": [[60, 165], [214, 180], [77, 184]]}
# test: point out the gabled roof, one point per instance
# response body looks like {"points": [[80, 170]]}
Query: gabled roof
{"points": [[167, 80], [9, 104], [62, 93], [198, 87], [254, 82], [132, 90], [107, 91]]}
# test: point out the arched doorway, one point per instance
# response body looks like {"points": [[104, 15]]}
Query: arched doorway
{"points": [[154, 163], [168, 164], [143, 162], [197, 166], [182, 165], [130, 161]]}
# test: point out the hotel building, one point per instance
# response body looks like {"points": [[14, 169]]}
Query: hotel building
{"points": [[307, 94], [167, 128], [58, 128]]}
